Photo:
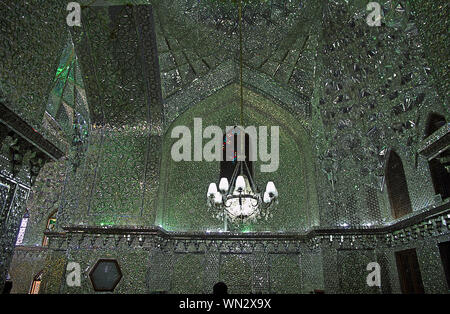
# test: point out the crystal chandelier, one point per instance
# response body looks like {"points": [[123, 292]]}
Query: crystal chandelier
{"points": [[240, 200]]}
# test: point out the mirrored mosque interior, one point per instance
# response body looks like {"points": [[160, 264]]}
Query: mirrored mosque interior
{"points": [[268, 146]]}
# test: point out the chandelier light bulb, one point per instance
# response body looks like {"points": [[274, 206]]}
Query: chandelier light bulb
{"points": [[224, 185], [271, 189], [266, 198], [240, 184], [217, 198], [212, 190]]}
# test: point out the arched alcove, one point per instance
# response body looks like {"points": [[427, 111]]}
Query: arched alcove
{"points": [[36, 284], [182, 194], [440, 175], [50, 226], [397, 186]]}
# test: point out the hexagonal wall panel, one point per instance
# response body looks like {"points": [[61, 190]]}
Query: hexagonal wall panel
{"points": [[105, 275]]}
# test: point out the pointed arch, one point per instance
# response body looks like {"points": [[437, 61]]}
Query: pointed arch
{"points": [[440, 176], [50, 225], [397, 186], [36, 284], [438, 165], [296, 157]]}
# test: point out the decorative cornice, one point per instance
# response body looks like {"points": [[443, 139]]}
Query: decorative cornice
{"points": [[31, 248], [18, 125], [428, 223]]}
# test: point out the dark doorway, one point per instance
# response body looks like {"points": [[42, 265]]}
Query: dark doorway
{"points": [[397, 187], [409, 272], [440, 176], [7, 288], [434, 122], [228, 165], [220, 288], [8, 285], [444, 249], [439, 165], [36, 285]]}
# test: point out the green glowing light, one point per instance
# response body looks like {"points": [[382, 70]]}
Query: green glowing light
{"points": [[106, 223]]}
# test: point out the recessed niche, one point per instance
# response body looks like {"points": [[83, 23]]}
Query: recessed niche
{"points": [[105, 275]]}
